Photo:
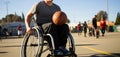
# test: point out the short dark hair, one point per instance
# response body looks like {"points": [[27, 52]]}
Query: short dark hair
{"points": [[95, 15]]}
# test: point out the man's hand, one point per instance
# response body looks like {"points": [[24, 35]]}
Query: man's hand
{"points": [[29, 30]]}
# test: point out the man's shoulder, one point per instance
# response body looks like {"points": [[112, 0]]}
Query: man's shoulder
{"points": [[55, 4]]}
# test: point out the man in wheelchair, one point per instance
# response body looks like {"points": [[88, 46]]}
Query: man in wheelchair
{"points": [[44, 11]]}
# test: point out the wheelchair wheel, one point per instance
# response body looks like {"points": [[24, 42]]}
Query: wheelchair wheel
{"points": [[71, 46], [31, 43]]}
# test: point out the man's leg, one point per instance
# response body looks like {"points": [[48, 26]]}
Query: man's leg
{"points": [[51, 29], [62, 34], [59, 34]]}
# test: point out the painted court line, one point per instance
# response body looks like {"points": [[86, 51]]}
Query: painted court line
{"points": [[99, 51]]}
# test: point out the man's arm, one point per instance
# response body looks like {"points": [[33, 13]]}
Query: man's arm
{"points": [[28, 21], [28, 18]]}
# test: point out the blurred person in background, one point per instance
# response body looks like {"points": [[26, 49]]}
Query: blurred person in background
{"points": [[103, 26], [79, 28]]}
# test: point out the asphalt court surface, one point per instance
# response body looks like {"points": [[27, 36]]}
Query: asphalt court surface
{"points": [[107, 46]]}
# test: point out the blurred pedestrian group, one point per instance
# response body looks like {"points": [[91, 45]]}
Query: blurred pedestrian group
{"points": [[92, 30]]}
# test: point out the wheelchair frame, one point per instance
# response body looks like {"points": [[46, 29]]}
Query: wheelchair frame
{"points": [[40, 39]]}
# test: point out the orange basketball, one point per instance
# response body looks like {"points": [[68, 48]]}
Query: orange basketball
{"points": [[59, 18]]}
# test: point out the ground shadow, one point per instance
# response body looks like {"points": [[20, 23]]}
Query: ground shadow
{"points": [[11, 37], [10, 46], [3, 52], [85, 44]]}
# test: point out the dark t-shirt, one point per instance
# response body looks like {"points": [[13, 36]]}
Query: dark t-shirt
{"points": [[44, 12]]}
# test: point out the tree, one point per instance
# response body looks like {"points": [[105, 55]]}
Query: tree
{"points": [[4, 20], [9, 18], [102, 14], [23, 17], [117, 22]]}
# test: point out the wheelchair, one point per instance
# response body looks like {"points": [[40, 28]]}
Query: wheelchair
{"points": [[36, 45]]}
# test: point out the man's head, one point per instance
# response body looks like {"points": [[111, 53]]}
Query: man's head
{"points": [[48, 2]]}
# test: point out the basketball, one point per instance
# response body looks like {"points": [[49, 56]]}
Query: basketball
{"points": [[59, 18]]}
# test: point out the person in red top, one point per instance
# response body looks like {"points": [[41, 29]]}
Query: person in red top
{"points": [[19, 30], [79, 28], [103, 26]]}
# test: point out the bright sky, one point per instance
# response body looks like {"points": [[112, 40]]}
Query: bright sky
{"points": [[76, 10]]}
